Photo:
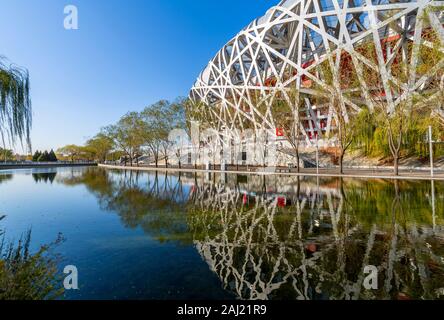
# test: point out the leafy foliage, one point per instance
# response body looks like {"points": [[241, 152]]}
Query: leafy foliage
{"points": [[159, 120], [72, 151], [101, 145], [15, 103], [6, 155], [371, 136], [127, 134], [44, 156]]}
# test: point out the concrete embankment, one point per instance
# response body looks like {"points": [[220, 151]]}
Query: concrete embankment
{"points": [[42, 165], [382, 173]]}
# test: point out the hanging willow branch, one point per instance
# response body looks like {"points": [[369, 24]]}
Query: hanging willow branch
{"points": [[15, 104]]}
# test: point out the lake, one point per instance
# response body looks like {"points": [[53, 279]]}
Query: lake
{"points": [[147, 235]]}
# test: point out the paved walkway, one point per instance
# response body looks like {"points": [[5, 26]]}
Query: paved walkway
{"points": [[381, 173]]}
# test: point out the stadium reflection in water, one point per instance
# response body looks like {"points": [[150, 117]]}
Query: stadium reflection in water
{"points": [[268, 237]]}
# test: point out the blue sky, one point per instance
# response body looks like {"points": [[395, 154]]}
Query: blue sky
{"points": [[125, 56]]}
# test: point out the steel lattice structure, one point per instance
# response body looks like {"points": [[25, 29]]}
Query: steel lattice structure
{"points": [[282, 50]]}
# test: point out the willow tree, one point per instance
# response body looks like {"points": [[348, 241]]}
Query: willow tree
{"points": [[338, 83], [71, 151], [286, 112], [15, 104], [6, 154], [101, 145], [411, 91]]}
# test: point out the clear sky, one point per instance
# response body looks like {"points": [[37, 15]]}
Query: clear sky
{"points": [[125, 56]]}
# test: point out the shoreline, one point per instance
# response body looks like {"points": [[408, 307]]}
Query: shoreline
{"points": [[44, 165], [326, 173]]}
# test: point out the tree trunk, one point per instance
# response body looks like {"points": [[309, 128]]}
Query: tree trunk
{"points": [[298, 160], [298, 192], [166, 162], [341, 187], [396, 164], [341, 162], [196, 156]]}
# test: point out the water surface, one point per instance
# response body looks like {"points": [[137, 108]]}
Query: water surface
{"points": [[135, 235]]}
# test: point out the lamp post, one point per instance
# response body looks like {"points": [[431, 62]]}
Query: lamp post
{"points": [[431, 150], [317, 154], [433, 205]]}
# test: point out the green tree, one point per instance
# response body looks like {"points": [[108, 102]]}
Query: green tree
{"points": [[71, 151], [101, 145], [87, 153], [36, 156], [286, 112], [337, 75], [52, 156], [159, 120], [417, 80], [366, 125], [198, 117], [44, 157], [127, 134], [6, 155], [173, 118], [154, 132]]}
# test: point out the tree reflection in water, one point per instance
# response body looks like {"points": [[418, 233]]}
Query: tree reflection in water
{"points": [[288, 237], [45, 177], [154, 203], [5, 177]]}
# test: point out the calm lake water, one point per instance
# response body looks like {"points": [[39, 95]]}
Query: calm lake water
{"points": [[135, 235]]}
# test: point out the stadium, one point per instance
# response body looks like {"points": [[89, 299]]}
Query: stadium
{"points": [[284, 56]]}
